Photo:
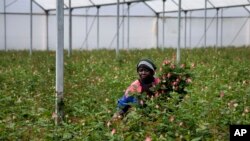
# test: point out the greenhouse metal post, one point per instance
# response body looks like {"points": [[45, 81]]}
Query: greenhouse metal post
{"points": [[4, 14], [221, 34], [205, 24], [248, 40], [128, 36], [31, 26], [47, 29], [163, 24], [123, 28], [157, 30], [59, 62], [185, 34], [86, 28], [190, 30], [217, 26], [179, 33], [117, 28], [70, 29], [98, 26]]}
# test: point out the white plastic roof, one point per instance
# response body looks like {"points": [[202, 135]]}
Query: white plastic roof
{"points": [[156, 5], [51, 4], [172, 5]]}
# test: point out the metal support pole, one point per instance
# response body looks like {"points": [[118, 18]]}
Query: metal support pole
{"points": [[31, 26], [185, 34], [87, 28], [163, 24], [157, 30], [123, 32], [70, 29], [248, 24], [47, 30], [128, 36], [59, 62], [221, 34], [217, 26], [5, 26], [190, 30], [205, 24], [178, 56], [98, 27], [117, 29]]}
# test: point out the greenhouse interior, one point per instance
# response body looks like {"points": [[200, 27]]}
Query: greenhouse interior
{"points": [[93, 24], [65, 66]]}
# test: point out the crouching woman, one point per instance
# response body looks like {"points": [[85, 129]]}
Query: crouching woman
{"points": [[146, 71]]}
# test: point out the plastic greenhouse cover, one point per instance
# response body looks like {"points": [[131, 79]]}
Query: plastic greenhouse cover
{"points": [[51, 4], [156, 5], [172, 5]]}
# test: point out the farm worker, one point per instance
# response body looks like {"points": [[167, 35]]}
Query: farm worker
{"points": [[146, 71]]}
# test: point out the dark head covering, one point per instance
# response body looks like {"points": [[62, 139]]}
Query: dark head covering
{"points": [[148, 63]]}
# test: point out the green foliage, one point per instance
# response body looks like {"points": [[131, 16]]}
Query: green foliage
{"points": [[94, 80]]}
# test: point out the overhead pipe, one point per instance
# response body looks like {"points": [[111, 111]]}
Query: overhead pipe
{"points": [[138, 1]]}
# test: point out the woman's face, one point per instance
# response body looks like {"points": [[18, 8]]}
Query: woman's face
{"points": [[144, 73]]}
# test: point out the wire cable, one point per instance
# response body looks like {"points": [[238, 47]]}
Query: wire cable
{"points": [[7, 5], [90, 29], [206, 31], [122, 21], [237, 34]]}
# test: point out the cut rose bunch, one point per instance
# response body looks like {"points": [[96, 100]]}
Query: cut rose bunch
{"points": [[174, 78]]}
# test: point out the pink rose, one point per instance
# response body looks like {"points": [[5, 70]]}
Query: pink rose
{"points": [[169, 75], [183, 65], [113, 131], [166, 62], [188, 80], [148, 138]]}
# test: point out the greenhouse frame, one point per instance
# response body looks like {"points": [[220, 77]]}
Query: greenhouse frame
{"points": [[93, 24], [132, 24]]}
